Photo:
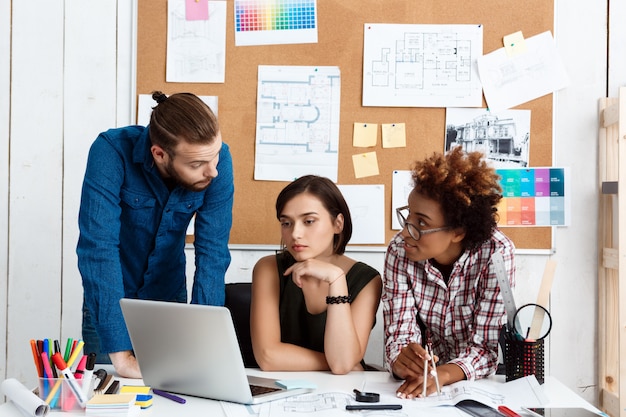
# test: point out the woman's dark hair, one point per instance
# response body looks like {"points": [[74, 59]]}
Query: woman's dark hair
{"points": [[332, 200], [181, 117], [467, 189]]}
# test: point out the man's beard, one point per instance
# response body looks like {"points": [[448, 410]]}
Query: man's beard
{"points": [[196, 186]]}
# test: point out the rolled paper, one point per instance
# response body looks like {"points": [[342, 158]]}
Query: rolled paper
{"points": [[24, 398]]}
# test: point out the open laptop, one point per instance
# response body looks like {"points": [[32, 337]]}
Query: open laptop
{"points": [[192, 349]]}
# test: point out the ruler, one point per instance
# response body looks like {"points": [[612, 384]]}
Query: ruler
{"points": [[543, 299], [505, 289]]}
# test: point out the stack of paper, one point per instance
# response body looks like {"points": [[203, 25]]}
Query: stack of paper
{"points": [[112, 405], [144, 399]]}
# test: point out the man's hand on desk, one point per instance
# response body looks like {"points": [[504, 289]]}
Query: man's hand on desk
{"points": [[125, 364]]}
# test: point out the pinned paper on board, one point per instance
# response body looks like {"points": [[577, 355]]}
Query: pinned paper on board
{"points": [[510, 81], [195, 49], [394, 135], [196, 10], [367, 209], [365, 164], [263, 22], [514, 44], [364, 135]]}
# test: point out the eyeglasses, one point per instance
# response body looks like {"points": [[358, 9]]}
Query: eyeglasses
{"points": [[415, 233]]}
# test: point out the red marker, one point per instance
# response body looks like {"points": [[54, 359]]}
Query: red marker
{"points": [[80, 369], [507, 411]]}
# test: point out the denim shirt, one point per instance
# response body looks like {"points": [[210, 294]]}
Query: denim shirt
{"points": [[132, 232]]}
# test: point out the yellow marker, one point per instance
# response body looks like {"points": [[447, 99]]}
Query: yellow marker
{"points": [[75, 353]]}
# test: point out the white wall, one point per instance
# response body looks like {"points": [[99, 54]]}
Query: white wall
{"points": [[5, 87], [66, 73]]}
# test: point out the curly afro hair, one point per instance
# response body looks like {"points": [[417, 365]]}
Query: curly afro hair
{"points": [[467, 189]]}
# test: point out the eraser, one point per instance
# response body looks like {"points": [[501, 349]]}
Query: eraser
{"points": [[143, 400], [295, 383]]}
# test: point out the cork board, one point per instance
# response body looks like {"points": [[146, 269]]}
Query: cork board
{"points": [[340, 43]]}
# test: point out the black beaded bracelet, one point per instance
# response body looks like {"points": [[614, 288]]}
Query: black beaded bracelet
{"points": [[341, 299]]}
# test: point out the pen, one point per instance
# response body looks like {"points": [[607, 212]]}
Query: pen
{"points": [[48, 354], [68, 349], [429, 346], [374, 407], [75, 353], [36, 358], [47, 369], [171, 396], [79, 374], [88, 376], [434, 371], [507, 411], [80, 369]]}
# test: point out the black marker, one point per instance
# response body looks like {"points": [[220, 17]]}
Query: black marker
{"points": [[374, 407]]}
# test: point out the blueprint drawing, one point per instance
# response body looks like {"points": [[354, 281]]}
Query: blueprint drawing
{"points": [[421, 65], [297, 131]]}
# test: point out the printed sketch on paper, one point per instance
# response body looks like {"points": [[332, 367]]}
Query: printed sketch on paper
{"points": [[421, 65]]}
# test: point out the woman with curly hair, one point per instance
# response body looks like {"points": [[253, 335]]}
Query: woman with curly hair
{"points": [[440, 286]]}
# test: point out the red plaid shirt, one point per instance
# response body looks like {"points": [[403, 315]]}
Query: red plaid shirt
{"points": [[464, 317]]}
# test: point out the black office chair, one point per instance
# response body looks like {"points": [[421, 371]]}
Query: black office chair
{"points": [[238, 296]]}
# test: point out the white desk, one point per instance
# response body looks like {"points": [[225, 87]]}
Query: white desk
{"points": [[557, 393]]}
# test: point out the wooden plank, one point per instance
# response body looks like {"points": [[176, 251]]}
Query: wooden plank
{"points": [[610, 403], [609, 258], [602, 374], [610, 115], [621, 290], [609, 354]]}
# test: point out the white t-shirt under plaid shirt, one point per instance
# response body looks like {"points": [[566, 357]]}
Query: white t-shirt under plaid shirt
{"points": [[464, 316]]}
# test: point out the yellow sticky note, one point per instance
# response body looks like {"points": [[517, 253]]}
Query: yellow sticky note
{"points": [[514, 44], [135, 389], [394, 135], [365, 164], [364, 135]]}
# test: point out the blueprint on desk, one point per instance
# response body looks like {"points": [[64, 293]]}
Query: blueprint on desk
{"points": [[514, 394]]}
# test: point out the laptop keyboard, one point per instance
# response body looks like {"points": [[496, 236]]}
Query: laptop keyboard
{"points": [[258, 389]]}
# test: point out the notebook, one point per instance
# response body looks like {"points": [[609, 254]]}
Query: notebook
{"points": [[192, 349]]}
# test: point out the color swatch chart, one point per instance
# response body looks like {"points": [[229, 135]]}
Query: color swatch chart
{"points": [[275, 22], [534, 197], [255, 15]]}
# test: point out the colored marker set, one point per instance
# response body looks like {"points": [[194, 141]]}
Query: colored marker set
{"points": [[64, 380]]}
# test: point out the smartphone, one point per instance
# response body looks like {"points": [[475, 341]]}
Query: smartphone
{"points": [[560, 412]]}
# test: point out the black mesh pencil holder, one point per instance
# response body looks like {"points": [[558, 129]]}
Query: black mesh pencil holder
{"points": [[522, 359], [523, 342]]}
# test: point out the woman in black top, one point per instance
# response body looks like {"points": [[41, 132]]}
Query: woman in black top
{"points": [[312, 307]]}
